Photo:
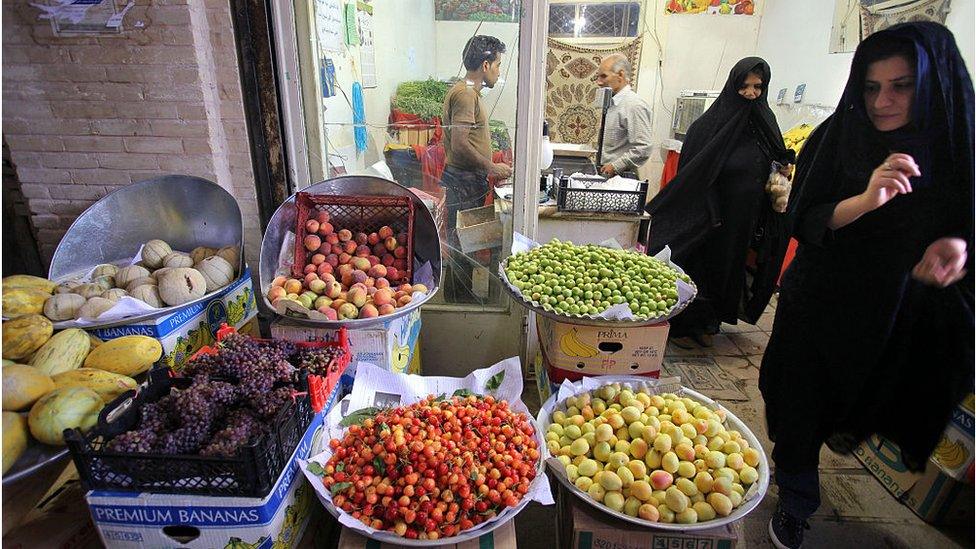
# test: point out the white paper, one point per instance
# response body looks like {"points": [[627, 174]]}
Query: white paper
{"points": [[615, 183], [621, 311], [375, 386], [330, 25]]}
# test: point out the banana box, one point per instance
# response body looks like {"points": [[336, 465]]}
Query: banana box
{"points": [[597, 350], [943, 493], [187, 329], [277, 521], [393, 345]]}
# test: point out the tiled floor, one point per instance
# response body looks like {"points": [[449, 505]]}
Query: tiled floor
{"points": [[857, 511]]}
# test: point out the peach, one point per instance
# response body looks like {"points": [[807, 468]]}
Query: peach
{"points": [[305, 300], [312, 242], [377, 271], [322, 301], [379, 249], [279, 281], [311, 226], [385, 232], [419, 288], [400, 253], [325, 248], [361, 238], [322, 217], [318, 259], [309, 269], [389, 243], [402, 239], [344, 258], [347, 279], [318, 285], [357, 296], [332, 259], [276, 292], [333, 290], [324, 269], [382, 283], [323, 309], [348, 310], [328, 277], [349, 247], [292, 297], [359, 277], [383, 296], [400, 264], [404, 300], [373, 260], [368, 311], [392, 273], [330, 313], [373, 239], [332, 238], [359, 285], [326, 229], [387, 260], [406, 289], [363, 251], [343, 295], [345, 235], [311, 276], [336, 303], [360, 263], [370, 283], [344, 269], [293, 286], [386, 309]]}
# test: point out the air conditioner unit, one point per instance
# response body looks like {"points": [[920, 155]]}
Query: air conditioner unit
{"points": [[688, 107]]}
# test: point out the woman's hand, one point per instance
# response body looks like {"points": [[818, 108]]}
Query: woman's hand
{"points": [[787, 171], [943, 263], [889, 180]]}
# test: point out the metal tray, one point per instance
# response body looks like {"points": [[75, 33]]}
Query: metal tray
{"points": [[37, 456], [588, 320], [426, 245], [472, 534], [751, 499], [183, 210]]}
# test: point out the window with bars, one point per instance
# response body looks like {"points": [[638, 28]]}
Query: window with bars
{"points": [[594, 19]]}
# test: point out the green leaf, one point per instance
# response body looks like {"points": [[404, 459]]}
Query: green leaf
{"points": [[442, 396], [357, 417], [316, 469], [462, 393], [340, 467], [339, 487], [474, 475], [379, 466], [495, 381]]}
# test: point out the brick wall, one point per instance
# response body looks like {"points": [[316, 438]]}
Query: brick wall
{"points": [[84, 116]]}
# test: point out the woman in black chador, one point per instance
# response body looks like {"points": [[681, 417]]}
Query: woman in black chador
{"points": [[874, 327], [716, 210]]}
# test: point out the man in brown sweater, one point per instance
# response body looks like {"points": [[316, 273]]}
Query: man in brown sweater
{"points": [[467, 139]]}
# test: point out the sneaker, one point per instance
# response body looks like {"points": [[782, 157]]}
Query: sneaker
{"points": [[786, 531]]}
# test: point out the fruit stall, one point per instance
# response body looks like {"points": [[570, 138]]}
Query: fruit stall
{"points": [[138, 372]]}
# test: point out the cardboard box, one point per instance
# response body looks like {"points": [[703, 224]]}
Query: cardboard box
{"points": [[580, 526], [596, 350], [60, 520], [546, 387], [184, 331], [502, 537], [479, 229], [169, 520], [393, 345], [938, 495]]}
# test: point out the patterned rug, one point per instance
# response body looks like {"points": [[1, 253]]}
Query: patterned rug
{"points": [[882, 15], [571, 89]]}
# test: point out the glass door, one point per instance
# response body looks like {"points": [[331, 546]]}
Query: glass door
{"points": [[445, 98]]}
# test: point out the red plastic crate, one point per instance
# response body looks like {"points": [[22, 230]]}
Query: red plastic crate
{"points": [[359, 214]]}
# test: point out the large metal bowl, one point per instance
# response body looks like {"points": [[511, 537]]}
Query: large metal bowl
{"points": [[183, 210], [426, 240]]}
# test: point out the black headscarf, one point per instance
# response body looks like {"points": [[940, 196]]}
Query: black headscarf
{"points": [[919, 336], [686, 210]]}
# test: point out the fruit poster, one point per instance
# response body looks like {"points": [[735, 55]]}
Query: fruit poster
{"points": [[501, 11], [711, 7]]}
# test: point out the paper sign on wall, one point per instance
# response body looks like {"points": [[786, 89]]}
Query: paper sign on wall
{"points": [[367, 52], [798, 94], [329, 24]]}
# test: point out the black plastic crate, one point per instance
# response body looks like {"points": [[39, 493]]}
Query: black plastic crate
{"points": [[600, 200], [250, 473]]}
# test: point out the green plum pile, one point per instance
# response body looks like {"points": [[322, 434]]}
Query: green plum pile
{"points": [[586, 280], [661, 458]]}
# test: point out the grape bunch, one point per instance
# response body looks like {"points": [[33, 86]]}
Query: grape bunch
{"points": [[317, 361], [233, 397]]}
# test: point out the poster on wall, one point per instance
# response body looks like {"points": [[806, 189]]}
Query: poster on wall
{"points": [[330, 25], [367, 51], [710, 7], [501, 11], [855, 20]]}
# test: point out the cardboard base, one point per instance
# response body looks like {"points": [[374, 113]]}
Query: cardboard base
{"points": [[502, 537], [59, 520], [391, 346], [580, 526], [597, 350]]}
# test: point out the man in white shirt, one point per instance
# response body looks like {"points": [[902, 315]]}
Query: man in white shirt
{"points": [[627, 131]]}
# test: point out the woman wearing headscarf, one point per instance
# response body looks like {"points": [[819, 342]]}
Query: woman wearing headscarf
{"points": [[716, 210], [874, 328]]}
